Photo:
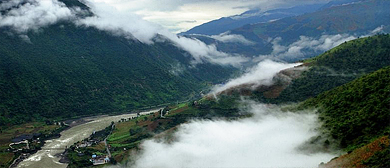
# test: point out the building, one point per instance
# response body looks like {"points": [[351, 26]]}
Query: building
{"points": [[99, 160]]}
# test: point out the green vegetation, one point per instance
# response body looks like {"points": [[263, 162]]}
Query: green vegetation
{"points": [[63, 71], [66, 71], [349, 91], [357, 112], [128, 134], [79, 156], [336, 67], [80, 160], [379, 160], [354, 111]]}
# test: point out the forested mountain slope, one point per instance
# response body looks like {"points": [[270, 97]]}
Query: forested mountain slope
{"points": [[358, 111], [335, 67], [357, 115], [67, 71]]}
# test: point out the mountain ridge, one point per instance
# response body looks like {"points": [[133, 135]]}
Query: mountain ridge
{"points": [[224, 24], [70, 71]]}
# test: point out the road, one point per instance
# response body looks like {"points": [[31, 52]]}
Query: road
{"points": [[113, 126], [105, 141]]}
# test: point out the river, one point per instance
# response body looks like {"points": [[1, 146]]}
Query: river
{"points": [[47, 156]]}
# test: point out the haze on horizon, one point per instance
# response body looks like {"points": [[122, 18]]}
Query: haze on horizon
{"points": [[180, 16]]}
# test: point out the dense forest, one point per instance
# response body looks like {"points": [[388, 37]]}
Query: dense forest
{"points": [[357, 112], [66, 71]]}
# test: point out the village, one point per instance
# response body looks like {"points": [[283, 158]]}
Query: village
{"points": [[100, 153], [95, 150]]}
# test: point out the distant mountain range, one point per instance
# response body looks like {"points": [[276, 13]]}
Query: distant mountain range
{"points": [[354, 18], [224, 24], [256, 16], [347, 18]]}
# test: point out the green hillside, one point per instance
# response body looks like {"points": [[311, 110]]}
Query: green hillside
{"points": [[335, 67], [67, 71], [354, 112], [357, 112]]}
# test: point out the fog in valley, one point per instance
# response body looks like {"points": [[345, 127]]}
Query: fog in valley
{"points": [[270, 138]]}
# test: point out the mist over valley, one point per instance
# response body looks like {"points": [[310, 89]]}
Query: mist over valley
{"points": [[98, 83]]}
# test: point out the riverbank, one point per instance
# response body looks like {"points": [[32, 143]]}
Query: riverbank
{"points": [[15, 134], [79, 129]]}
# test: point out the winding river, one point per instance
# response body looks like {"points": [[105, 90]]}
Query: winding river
{"points": [[47, 156]]}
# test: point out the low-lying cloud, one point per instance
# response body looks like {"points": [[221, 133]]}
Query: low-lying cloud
{"points": [[109, 19], [261, 74], [309, 46], [232, 38], [229, 38], [271, 138], [34, 14], [27, 15], [305, 46]]}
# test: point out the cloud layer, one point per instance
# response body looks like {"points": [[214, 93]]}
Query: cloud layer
{"points": [[232, 38], [124, 23], [261, 74], [34, 14], [305, 46], [269, 139]]}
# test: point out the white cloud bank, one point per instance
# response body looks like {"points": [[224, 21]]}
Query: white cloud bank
{"points": [[232, 38], [33, 15], [270, 138], [228, 38], [309, 45], [305, 45], [110, 19], [261, 74]]}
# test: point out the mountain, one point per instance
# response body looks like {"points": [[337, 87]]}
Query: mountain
{"points": [[353, 18], [309, 34], [331, 69], [358, 111], [338, 3], [66, 71], [224, 24], [348, 86], [357, 116], [338, 66], [354, 114]]}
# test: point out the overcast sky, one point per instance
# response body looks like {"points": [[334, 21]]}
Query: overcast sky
{"points": [[181, 15]]}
